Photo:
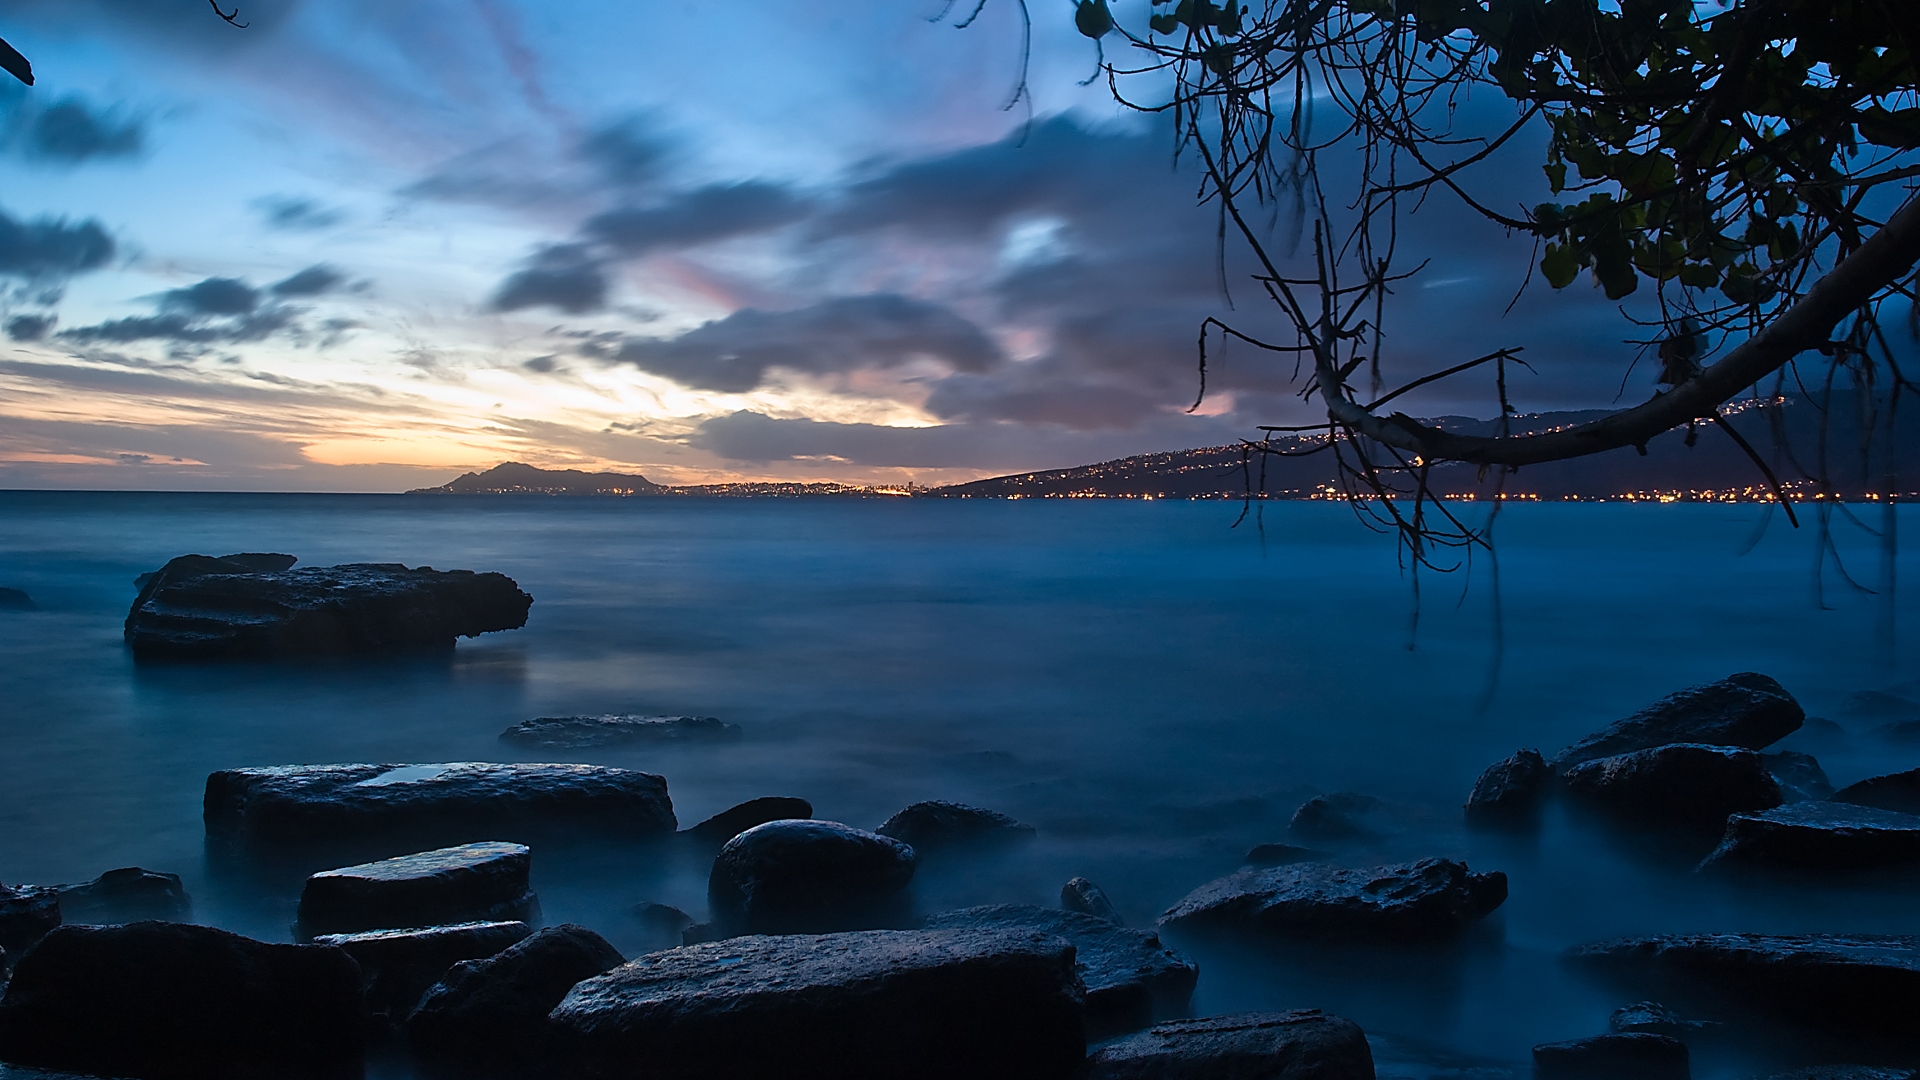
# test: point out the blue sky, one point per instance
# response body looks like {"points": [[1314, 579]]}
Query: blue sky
{"points": [[366, 246]]}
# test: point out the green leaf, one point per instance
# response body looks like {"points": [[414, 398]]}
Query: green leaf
{"points": [[1556, 175], [1560, 265], [1093, 19], [1164, 24]]}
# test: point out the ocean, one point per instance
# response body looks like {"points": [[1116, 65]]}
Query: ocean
{"points": [[1152, 687]]}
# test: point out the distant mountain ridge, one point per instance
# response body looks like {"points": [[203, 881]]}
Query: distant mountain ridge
{"points": [[514, 478]]}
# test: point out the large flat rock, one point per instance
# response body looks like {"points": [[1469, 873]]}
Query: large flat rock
{"points": [[1747, 710], [807, 877], [490, 1016], [461, 800], [1682, 785], [1432, 898], [200, 608], [1302, 1045], [1132, 980], [174, 1001], [485, 882], [398, 966], [1831, 836], [868, 1005]]}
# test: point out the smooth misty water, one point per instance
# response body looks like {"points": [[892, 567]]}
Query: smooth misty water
{"points": [[1152, 689]]}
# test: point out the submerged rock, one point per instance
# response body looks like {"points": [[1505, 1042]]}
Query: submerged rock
{"points": [[462, 800], [1879, 705], [938, 823], [1083, 896], [1304, 1045], [1510, 791], [26, 912], [1343, 815], [1131, 979], [872, 1005], [16, 600], [200, 608], [1281, 855], [1799, 775], [490, 1016], [568, 732], [1687, 785], [1641, 1055], [129, 894], [175, 1001], [1747, 710], [1899, 792], [1652, 1018], [397, 966], [735, 820], [807, 877], [1432, 898], [484, 882], [1818, 836]]}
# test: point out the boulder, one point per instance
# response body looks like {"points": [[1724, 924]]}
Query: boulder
{"points": [[483, 882], [1432, 898], [26, 912], [1343, 815], [1685, 785], [735, 820], [1799, 775], [1131, 979], [453, 802], [807, 877], [572, 732], [1899, 792], [870, 1005], [397, 966], [1747, 710], [1879, 705], [1652, 1018], [490, 1015], [16, 600], [1281, 855], [937, 823], [129, 894], [1818, 836], [1083, 896], [1304, 1045], [1639, 1054], [1510, 791], [1850, 983], [162, 1000], [241, 562], [1905, 731], [196, 608]]}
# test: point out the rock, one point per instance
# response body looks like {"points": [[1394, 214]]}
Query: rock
{"points": [[1905, 731], [243, 562], [26, 912], [1432, 898], [733, 821], [807, 877], [1304, 1045], [129, 894], [1747, 710], [1818, 836], [1858, 984], [701, 932], [490, 1015], [1652, 1018], [569, 732], [483, 882], [1686, 785], [1083, 896], [1799, 775], [1848, 1072], [199, 608], [397, 966], [1879, 705], [1899, 792], [1641, 1055], [937, 823], [1510, 791], [162, 1000], [458, 801], [663, 915], [1343, 815], [870, 1005], [1281, 855], [16, 600], [1131, 979]]}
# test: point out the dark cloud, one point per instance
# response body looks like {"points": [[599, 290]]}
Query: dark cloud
{"points": [[30, 327], [298, 215], [564, 276], [50, 247], [69, 131], [625, 152], [843, 334], [313, 281], [220, 310], [213, 296], [697, 217], [184, 328], [541, 364]]}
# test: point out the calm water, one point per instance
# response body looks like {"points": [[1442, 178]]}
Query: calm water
{"points": [[1152, 689]]}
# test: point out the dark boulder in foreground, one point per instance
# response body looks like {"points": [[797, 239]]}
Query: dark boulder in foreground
{"points": [[1432, 898], [807, 877], [1685, 785], [872, 1005], [1343, 815], [161, 1001], [1083, 896], [571, 732], [484, 882], [463, 800], [735, 820], [16, 600], [397, 966], [1641, 1055], [938, 823], [1747, 710], [1899, 792], [1818, 836], [1510, 791], [490, 1016], [129, 894], [1799, 775], [1131, 979], [1304, 1045], [26, 912], [198, 608], [1861, 984]]}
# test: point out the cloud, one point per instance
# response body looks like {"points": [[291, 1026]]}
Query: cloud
{"points": [[842, 334], [697, 217], [223, 310], [564, 276], [69, 131], [213, 296], [48, 247], [625, 152], [30, 327], [184, 328], [297, 214], [315, 280]]}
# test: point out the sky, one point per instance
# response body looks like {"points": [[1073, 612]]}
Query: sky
{"points": [[361, 246]]}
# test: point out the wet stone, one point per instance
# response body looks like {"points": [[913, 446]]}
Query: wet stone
{"points": [[1308, 1045], [1642, 1055], [938, 823], [484, 882], [1653, 1018], [808, 877], [1429, 899], [129, 894], [1083, 896], [1829, 836], [1343, 815], [735, 820], [1799, 775], [1899, 792], [1510, 791], [26, 912], [1684, 785], [1747, 710], [489, 1016], [570, 732], [397, 966], [1848, 1072]]}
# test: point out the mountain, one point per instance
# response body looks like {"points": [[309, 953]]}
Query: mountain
{"points": [[513, 478]]}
